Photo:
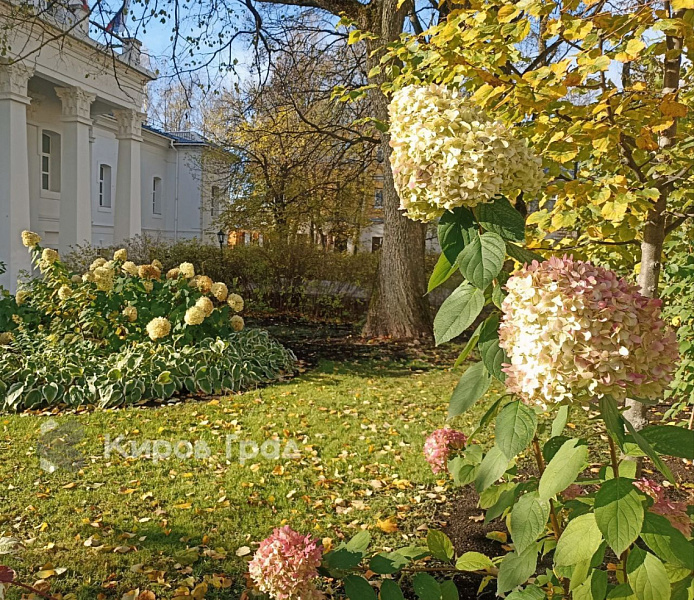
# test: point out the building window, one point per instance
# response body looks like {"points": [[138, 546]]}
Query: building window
{"points": [[378, 199], [50, 161], [156, 196], [376, 243], [104, 186], [214, 201]]}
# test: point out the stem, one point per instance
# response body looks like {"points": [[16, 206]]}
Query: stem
{"points": [[613, 456], [556, 527]]}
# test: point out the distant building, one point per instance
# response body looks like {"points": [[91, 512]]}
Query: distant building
{"points": [[76, 162]]}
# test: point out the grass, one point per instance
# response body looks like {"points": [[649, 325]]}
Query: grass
{"points": [[122, 523]]}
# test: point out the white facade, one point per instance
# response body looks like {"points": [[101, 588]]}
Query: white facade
{"points": [[76, 163]]}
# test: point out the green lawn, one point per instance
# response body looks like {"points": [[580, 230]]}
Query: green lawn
{"points": [[124, 523]]}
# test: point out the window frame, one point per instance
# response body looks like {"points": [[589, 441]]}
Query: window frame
{"points": [[157, 197], [104, 192]]}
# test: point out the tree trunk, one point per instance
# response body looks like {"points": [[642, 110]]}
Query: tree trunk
{"points": [[654, 232], [399, 306]]}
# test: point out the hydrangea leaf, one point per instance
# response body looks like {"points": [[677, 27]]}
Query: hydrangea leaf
{"points": [[619, 513], [482, 259]]}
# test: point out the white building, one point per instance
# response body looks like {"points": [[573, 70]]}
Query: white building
{"points": [[76, 162]]}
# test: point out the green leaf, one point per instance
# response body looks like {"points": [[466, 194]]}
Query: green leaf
{"points": [[482, 259], [563, 469], [559, 422], [515, 569], [522, 255], [594, 588], [498, 295], [471, 343], [621, 592], [532, 592], [387, 563], [449, 591], [473, 561], [579, 541], [528, 520], [493, 466], [472, 386], [357, 588], [426, 587], [619, 513], [670, 440], [647, 576], [456, 229], [515, 428], [683, 589], [457, 312], [441, 273], [650, 453], [391, 591], [493, 356], [440, 545], [500, 217], [463, 472], [360, 542], [666, 542], [613, 419]]}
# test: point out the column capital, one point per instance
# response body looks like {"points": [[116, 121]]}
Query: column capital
{"points": [[129, 124], [14, 78], [76, 104]]}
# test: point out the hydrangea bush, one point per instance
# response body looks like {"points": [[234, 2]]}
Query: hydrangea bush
{"points": [[122, 333], [447, 153], [559, 335]]}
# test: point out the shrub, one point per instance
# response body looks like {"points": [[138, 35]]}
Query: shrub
{"points": [[287, 277], [122, 333]]}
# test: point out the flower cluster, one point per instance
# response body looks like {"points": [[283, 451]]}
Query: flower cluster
{"points": [[30, 239], [447, 153], [158, 328], [675, 512], [576, 331], [286, 564], [438, 446]]}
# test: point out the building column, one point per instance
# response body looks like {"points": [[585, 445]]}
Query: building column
{"points": [[76, 167], [128, 205], [14, 171]]}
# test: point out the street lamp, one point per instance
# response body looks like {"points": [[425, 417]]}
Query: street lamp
{"points": [[222, 237]]}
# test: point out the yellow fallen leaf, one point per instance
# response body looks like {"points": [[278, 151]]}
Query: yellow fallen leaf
{"points": [[387, 525]]}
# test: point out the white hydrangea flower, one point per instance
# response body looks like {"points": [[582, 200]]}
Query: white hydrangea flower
{"points": [[205, 304], [574, 331], [187, 270], [235, 302], [447, 153], [194, 315], [130, 313], [220, 291], [30, 239], [237, 323], [158, 328], [64, 292]]}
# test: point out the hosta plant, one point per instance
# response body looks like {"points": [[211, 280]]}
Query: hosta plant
{"points": [[123, 333], [583, 523]]}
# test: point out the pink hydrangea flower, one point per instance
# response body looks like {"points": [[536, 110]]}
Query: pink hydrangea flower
{"points": [[675, 512], [574, 331], [285, 565], [438, 446]]}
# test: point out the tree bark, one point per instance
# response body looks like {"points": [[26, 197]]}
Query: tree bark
{"points": [[654, 232], [399, 306]]}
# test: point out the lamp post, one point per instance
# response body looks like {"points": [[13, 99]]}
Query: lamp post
{"points": [[222, 237]]}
